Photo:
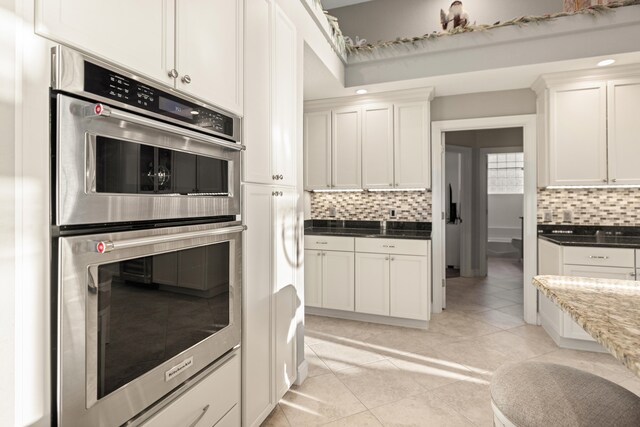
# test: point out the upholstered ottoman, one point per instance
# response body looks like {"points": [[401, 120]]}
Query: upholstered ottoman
{"points": [[534, 394]]}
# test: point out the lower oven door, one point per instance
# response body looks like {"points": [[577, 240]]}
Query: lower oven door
{"points": [[140, 312]]}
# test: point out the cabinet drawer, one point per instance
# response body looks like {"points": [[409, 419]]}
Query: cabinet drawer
{"points": [[329, 243], [599, 256], [220, 392], [392, 246]]}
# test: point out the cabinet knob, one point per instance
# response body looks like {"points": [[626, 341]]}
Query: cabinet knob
{"points": [[186, 79], [328, 185], [390, 185], [632, 274], [280, 176], [386, 259], [614, 180], [393, 259], [604, 180], [173, 73], [319, 253]]}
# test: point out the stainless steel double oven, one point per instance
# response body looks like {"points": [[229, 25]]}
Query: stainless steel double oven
{"points": [[146, 242]]}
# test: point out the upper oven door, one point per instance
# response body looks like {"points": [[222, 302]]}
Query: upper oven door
{"points": [[114, 166]]}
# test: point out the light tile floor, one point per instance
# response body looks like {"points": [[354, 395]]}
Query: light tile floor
{"points": [[365, 374]]}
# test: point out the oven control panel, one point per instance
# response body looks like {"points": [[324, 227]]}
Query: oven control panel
{"points": [[112, 85]]}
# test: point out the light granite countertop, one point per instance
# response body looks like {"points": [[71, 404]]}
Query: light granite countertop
{"points": [[609, 310]]}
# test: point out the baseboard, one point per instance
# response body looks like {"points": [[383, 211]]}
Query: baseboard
{"points": [[303, 372], [571, 343], [371, 318]]}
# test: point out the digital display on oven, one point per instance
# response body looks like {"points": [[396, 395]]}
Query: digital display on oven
{"points": [[173, 107]]}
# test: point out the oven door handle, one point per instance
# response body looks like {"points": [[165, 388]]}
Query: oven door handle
{"points": [[105, 246], [101, 110]]}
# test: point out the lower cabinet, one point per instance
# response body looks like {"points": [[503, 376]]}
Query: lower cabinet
{"points": [[605, 263], [383, 277], [213, 401]]}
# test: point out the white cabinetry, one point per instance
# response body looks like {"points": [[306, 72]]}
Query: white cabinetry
{"points": [[214, 400], [385, 277], [317, 153], [329, 272], [606, 263], [578, 139], [346, 148], [390, 283], [140, 39], [624, 130], [588, 127], [270, 298], [379, 142], [377, 146], [201, 40], [208, 35], [412, 160], [270, 95]]}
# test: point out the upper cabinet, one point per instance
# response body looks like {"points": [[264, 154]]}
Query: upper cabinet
{"points": [[381, 142], [193, 46], [346, 148], [588, 128], [271, 99], [208, 53], [624, 130]]}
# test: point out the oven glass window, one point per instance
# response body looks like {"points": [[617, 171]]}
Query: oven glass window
{"points": [[151, 309], [124, 167]]}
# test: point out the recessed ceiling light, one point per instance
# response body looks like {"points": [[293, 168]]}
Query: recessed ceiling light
{"points": [[361, 91], [195, 113], [606, 62]]}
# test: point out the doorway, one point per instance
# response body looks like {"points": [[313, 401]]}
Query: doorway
{"points": [[473, 203]]}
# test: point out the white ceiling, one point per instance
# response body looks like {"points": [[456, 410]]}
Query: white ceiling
{"points": [[320, 84], [332, 4]]}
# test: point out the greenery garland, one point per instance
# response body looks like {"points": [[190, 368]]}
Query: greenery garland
{"points": [[520, 21]]}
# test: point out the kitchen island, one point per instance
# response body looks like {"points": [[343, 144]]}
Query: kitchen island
{"points": [[609, 310]]}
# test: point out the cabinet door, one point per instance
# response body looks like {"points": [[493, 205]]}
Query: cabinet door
{"points": [[317, 150], [338, 280], [346, 148], [209, 51], [412, 147], [257, 92], [286, 301], [372, 283], [257, 329], [578, 135], [140, 39], [284, 99], [624, 131], [377, 146], [409, 286], [313, 278]]}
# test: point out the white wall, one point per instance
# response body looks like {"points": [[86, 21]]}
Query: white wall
{"points": [[7, 211], [483, 104], [503, 211], [389, 19]]}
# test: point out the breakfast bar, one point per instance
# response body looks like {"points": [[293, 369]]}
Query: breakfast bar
{"points": [[607, 309]]}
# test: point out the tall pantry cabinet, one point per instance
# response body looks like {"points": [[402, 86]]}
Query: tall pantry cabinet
{"points": [[270, 197]]}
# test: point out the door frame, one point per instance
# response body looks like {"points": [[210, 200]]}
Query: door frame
{"points": [[528, 123]]}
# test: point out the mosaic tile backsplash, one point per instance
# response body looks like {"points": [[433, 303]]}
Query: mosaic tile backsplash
{"points": [[591, 206], [374, 206]]}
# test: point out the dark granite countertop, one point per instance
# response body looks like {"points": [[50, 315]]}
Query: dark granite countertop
{"points": [[606, 236], [371, 229]]}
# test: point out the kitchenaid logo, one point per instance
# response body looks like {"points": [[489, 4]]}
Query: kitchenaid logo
{"points": [[178, 369]]}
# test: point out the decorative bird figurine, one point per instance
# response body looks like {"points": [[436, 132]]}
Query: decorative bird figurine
{"points": [[457, 16]]}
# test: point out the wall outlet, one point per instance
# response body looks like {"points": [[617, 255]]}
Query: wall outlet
{"points": [[333, 212], [547, 216], [392, 212], [567, 215]]}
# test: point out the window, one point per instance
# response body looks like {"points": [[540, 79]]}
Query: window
{"points": [[505, 173]]}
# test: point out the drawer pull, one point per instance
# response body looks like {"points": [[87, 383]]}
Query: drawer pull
{"points": [[598, 257], [197, 420], [322, 243], [388, 246]]}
